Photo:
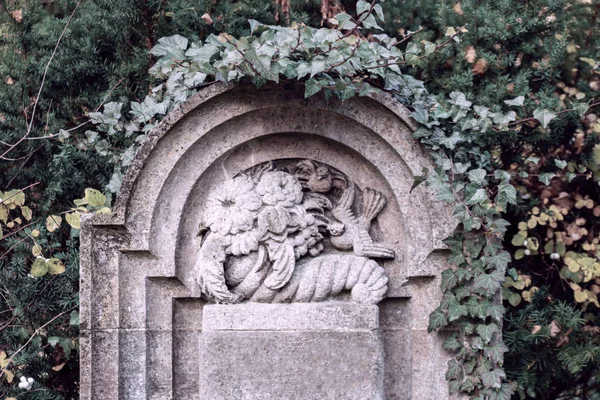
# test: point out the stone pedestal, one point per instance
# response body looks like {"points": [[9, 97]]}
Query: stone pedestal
{"points": [[315, 351]]}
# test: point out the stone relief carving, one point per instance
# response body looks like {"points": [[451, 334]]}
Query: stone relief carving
{"points": [[291, 231]]}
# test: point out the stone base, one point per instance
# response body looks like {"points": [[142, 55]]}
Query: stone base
{"points": [[316, 351]]}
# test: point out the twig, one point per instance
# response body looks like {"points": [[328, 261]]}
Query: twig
{"points": [[558, 113], [20, 190], [109, 93], [2, 156], [37, 331]]}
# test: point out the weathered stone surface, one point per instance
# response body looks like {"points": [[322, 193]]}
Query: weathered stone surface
{"points": [[141, 305], [288, 358], [283, 317]]}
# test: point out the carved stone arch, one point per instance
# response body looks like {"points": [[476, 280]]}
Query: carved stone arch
{"points": [[138, 296]]}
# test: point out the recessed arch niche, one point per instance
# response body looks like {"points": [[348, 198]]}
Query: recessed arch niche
{"points": [[140, 308]]}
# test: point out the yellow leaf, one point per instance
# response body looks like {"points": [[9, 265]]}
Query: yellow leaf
{"points": [[3, 359], [35, 233], [519, 285], [27, 214], [58, 367], [39, 267], [9, 376], [55, 266], [103, 210], [36, 250], [522, 226], [572, 265], [580, 296], [450, 31], [532, 223], [53, 222], [74, 219], [94, 197], [3, 213]]}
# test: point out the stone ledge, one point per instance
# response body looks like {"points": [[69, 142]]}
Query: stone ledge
{"points": [[330, 316]]}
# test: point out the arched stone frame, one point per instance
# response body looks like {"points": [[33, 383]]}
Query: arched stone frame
{"points": [[138, 301]]}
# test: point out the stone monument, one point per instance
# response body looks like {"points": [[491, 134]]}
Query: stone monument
{"points": [[267, 246]]}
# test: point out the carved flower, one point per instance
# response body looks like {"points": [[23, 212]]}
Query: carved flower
{"points": [[279, 188], [233, 207]]}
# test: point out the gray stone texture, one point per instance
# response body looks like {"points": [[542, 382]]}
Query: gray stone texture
{"points": [[339, 358], [141, 311]]}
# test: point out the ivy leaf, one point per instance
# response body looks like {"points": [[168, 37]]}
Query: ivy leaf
{"points": [[311, 87], [544, 116], [499, 260], [454, 370], [495, 352], [437, 320], [560, 163], [477, 176], [451, 343], [479, 196], [496, 311], [493, 378], [449, 280], [517, 101], [546, 177], [488, 283], [486, 331], [171, 47], [477, 308], [459, 99], [456, 310]]}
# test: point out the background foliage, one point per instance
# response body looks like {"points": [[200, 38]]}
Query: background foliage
{"points": [[513, 130]]}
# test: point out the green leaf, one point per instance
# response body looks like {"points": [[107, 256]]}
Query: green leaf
{"points": [[74, 320], [496, 311], [449, 280], [437, 320], [311, 87], [456, 310], [560, 163], [499, 260], [451, 343], [546, 177], [495, 352], [488, 283], [477, 308], [171, 47], [477, 176], [486, 331], [479, 196], [544, 116], [454, 369], [39, 267], [493, 378], [517, 101], [53, 340]]}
